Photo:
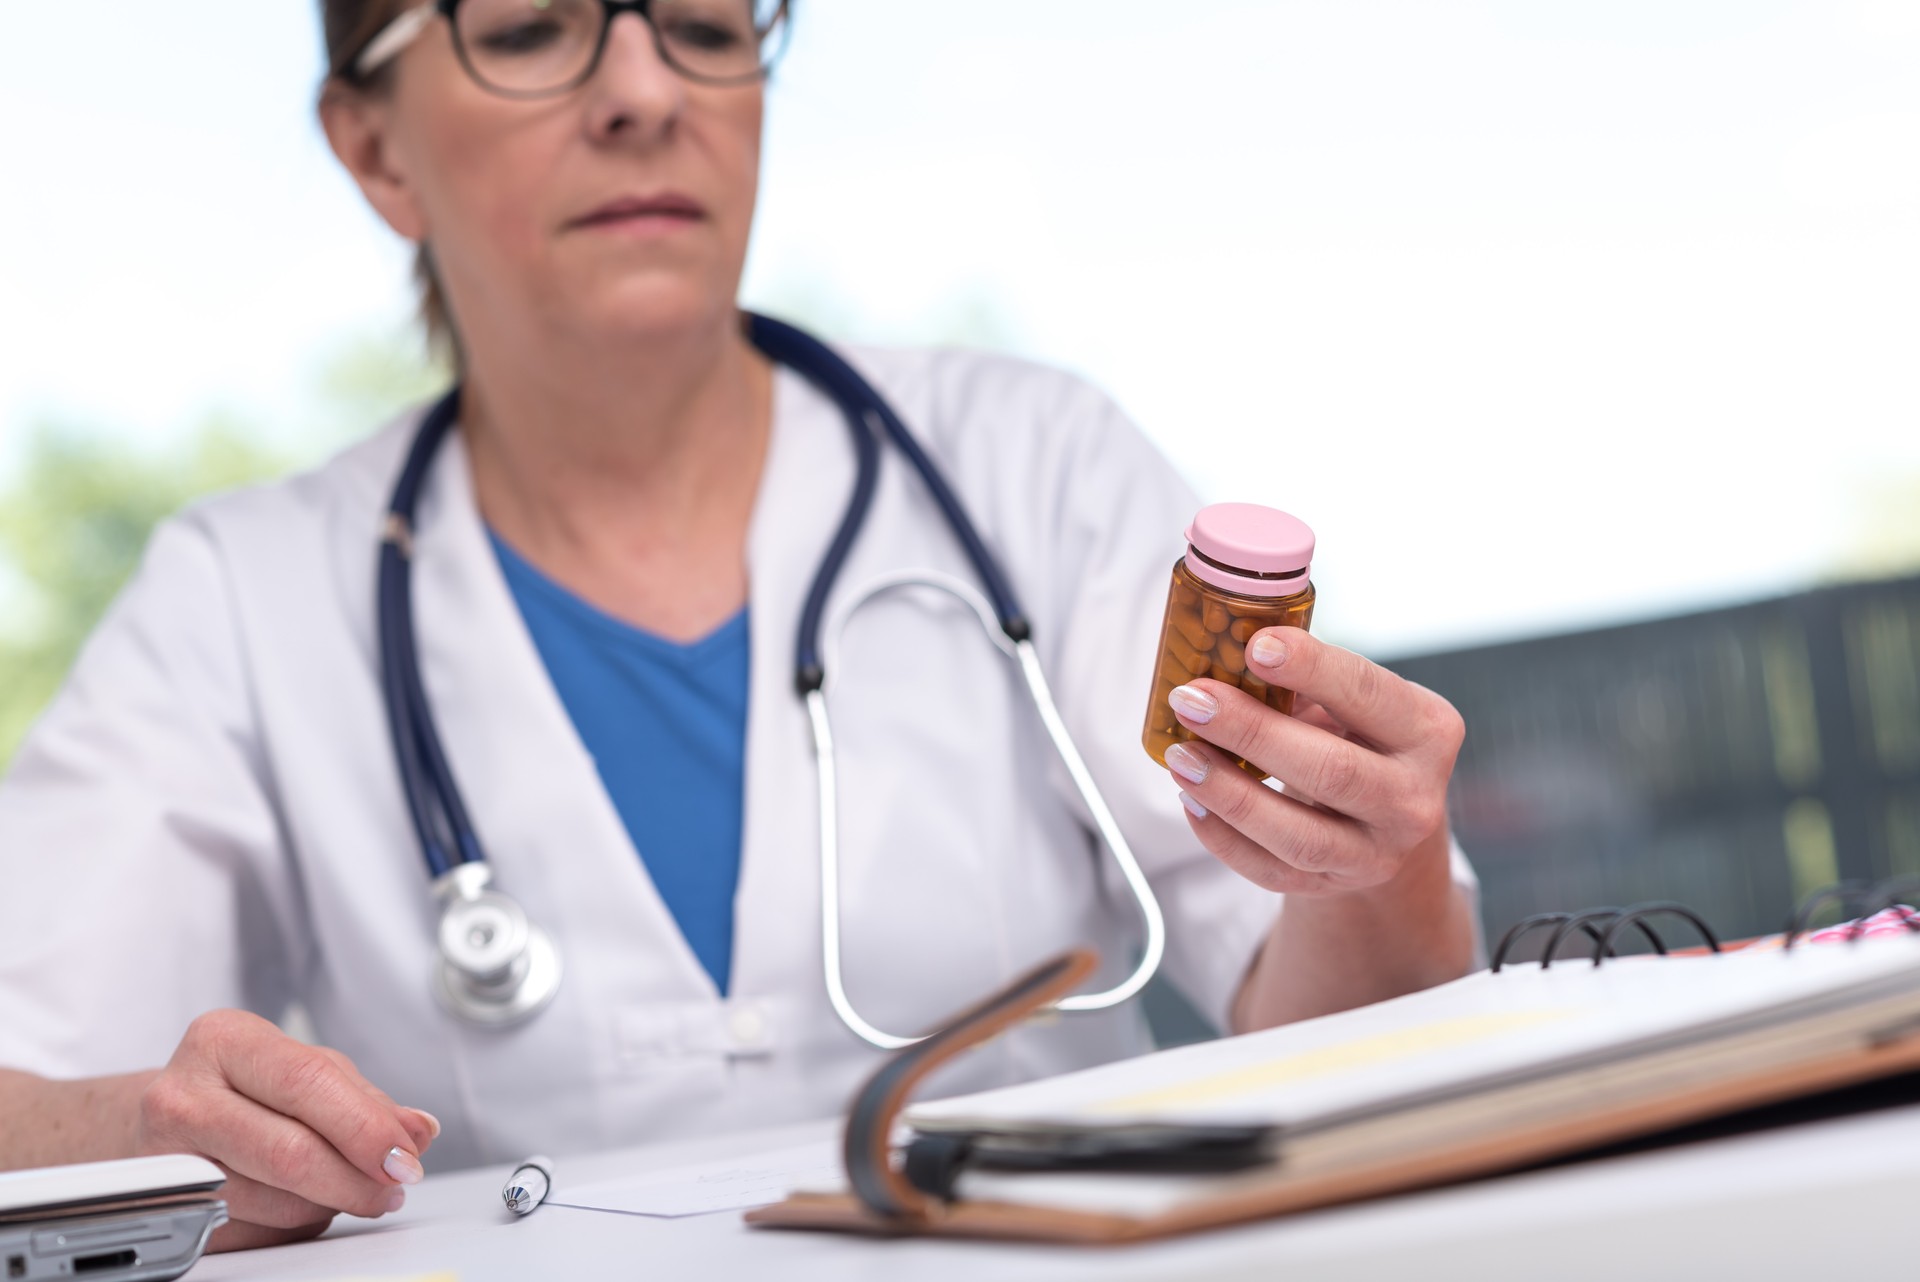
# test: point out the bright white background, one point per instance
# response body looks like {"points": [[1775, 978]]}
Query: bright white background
{"points": [[1542, 312]]}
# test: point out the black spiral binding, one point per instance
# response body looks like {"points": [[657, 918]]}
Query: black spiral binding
{"points": [[1865, 900], [1604, 926]]}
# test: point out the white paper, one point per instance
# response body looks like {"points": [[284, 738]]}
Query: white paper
{"points": [[736, 1184], [1474, 1030]]}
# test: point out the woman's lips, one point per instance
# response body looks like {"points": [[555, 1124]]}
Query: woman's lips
{"points": [[645, 215]]}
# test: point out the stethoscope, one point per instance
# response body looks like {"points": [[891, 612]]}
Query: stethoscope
{"points": [[496, 967]]}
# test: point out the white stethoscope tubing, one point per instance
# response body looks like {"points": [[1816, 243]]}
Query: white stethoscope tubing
{"points": [[827, 774]]}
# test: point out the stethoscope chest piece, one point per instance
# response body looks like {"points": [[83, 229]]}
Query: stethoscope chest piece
{"points": [[495, 967]]}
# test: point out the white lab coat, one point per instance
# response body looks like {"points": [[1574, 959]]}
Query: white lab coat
{"points": [[209, 815]]}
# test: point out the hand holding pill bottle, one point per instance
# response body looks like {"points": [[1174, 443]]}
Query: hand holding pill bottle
{"points": [[1245, 569]]}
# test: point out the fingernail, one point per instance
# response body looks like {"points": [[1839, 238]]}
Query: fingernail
{"points": [[403, 1166], [1194, 705], [1187, 763], [1194, 808], [433, 1123], [1267, 652], [396, 1199]]}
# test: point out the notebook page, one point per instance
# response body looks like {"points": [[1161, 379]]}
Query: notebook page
{"points": [[1482, 1029]]}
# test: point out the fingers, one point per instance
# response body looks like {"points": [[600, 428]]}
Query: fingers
{"points": [[1274, 841], [1362, 696], [267, 1148], [1365, 760], [1313, 763], [421, 1125], [251, 1202], [311, 1089], [1309, 713], [1250, 859]]}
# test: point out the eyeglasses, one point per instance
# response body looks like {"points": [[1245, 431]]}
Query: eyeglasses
{"points": [[544, 48]]}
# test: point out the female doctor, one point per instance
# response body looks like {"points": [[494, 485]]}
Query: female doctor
{"points": [[609, 556]]}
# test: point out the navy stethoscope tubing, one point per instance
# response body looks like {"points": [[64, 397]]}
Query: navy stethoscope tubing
{"points": [[859, 401], [425, 774], [496, 967]]}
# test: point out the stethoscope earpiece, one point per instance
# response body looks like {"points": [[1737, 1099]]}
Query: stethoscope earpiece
{"points": [[495, 966]]}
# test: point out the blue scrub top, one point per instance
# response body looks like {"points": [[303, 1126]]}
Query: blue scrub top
{"points": [[666, 724]]}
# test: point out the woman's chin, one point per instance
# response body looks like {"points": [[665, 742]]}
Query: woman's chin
{"points": [[658, 310]]}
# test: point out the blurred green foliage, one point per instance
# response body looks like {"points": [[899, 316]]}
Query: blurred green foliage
{"points": [[73, 521], [76, 509]]}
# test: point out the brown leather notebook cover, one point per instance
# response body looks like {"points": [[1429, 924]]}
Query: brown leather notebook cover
{"points": [[1491, 1152]]}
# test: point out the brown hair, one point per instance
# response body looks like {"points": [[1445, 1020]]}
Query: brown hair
{"points": [[350, 26]]}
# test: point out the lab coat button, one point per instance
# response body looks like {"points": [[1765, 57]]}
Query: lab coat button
{"points": [[749, 1027]]}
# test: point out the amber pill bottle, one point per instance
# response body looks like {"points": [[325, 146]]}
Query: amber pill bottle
{"points": [[1245, 569]]}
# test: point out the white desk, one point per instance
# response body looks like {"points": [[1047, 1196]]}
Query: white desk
{"points": [[1781, 1204]]}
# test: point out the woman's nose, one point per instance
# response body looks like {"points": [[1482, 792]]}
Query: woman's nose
{"points": [[633, 90]]}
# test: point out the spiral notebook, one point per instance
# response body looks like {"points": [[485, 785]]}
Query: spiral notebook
{"points": [[1493, 1072]]}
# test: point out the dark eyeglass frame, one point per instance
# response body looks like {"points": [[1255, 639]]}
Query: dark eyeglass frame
{"points": [[403, 30]]}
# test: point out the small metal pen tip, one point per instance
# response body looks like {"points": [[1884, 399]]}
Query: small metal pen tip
{"points": [[528, 1186]]}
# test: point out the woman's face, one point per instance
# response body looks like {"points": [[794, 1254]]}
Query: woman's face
{"points": [[618, 210]]}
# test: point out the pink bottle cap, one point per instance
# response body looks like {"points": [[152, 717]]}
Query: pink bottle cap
{"points": [[1249, 549]]}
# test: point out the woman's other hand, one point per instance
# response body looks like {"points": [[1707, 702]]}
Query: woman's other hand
{"points": [[302, 1135]]}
